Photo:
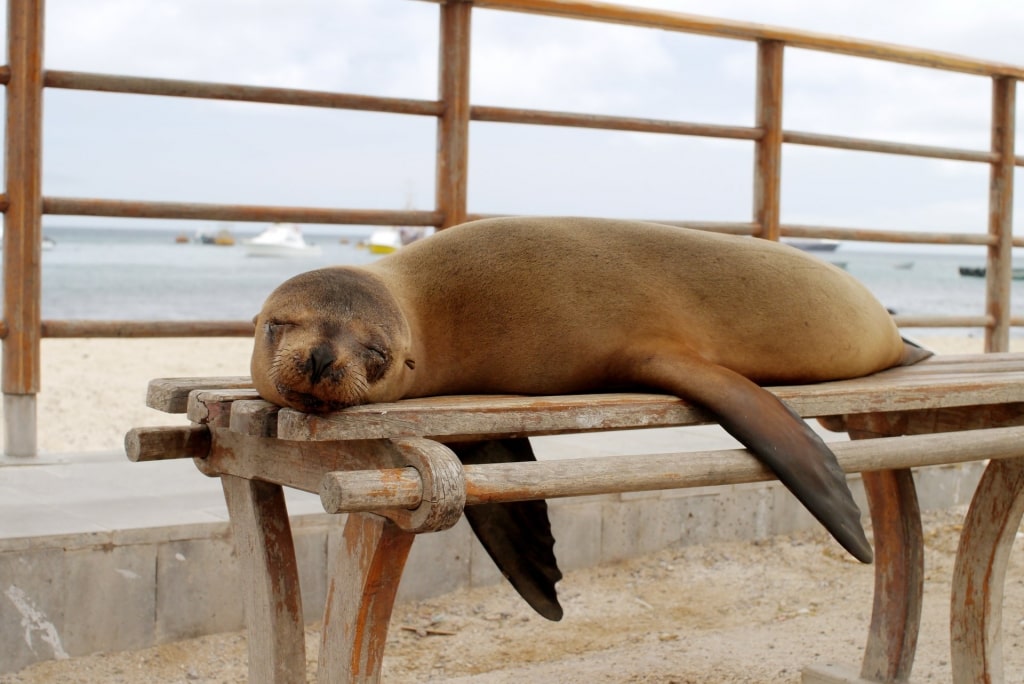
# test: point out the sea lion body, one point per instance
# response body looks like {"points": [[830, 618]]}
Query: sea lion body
{"points": [[559, 306]]}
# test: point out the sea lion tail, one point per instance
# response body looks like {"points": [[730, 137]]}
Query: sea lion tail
{"points": [[516, 535], [773, 432]]}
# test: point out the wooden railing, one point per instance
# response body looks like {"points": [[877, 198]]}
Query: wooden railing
{"points": [[24, 203]]}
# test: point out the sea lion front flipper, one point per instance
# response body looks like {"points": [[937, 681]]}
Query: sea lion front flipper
{"points": [[516, 535], [772, 431]]}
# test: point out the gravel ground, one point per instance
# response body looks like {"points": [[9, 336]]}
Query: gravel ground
{"points": [[726, 612]]}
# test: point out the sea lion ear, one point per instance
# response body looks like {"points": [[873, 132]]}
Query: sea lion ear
{"points": [[410, 364]]}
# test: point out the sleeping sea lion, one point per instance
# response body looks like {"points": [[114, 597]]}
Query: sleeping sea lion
{"points": [[569, 305]]}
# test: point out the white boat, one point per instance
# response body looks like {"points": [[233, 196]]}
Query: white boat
{"points": [[385, 241], [280, 240], [813, 244]]}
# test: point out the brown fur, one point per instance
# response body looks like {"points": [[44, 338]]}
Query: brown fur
{"points": [[556, 306]]}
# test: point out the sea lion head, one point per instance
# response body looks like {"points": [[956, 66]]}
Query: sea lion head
{"points": [[331, 338]]}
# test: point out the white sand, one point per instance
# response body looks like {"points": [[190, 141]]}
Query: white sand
{"points": [[93, 390]]}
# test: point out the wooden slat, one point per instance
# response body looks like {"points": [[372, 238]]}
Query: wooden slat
{"points": [[170, 395], [939, 382]]}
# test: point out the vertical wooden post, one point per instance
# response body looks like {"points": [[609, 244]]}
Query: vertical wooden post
{"points": [[1000, 216], [23, 225], [768, 148], [453, 124]]}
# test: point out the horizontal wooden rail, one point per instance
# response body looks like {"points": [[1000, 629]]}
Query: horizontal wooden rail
{"points": [[722, 28], [76, 206], [136, 85], [877, 235], [143, 329], [370, 490], [886, 147], [618, 123], [86, 328]]}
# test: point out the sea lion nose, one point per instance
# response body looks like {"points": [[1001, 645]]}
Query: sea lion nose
{"points": [[320, 360]]}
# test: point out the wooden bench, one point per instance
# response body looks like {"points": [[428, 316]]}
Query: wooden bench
{"points": [[385, 465]]}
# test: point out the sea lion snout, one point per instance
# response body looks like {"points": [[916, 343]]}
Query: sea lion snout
{"points": [[320, 361]]}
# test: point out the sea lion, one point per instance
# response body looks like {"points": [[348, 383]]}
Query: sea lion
{"points": [[568, 305]]}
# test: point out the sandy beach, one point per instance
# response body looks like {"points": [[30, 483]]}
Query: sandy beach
{"points": [[724, 612]]}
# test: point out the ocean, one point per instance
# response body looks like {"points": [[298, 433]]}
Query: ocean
{"points": [[142, 274]]}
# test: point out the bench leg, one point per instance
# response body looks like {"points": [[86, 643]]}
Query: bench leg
{"points": [[270, 581], [976, 610], [899, 576], [362, 590]]}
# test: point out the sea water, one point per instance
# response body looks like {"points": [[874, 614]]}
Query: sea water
{"points": [[143, 274]]}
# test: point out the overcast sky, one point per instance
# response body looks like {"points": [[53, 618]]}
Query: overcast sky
{"points": [[134, 147]]}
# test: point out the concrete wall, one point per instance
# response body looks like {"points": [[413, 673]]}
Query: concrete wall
{"points": [[70, 595]]}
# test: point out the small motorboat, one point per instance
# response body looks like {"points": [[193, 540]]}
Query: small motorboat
{"points": [[812, 244], [385, 241], [280, 240], [981, 272]]}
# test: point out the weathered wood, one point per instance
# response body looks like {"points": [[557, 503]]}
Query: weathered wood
{"points": [[22, 238], [165, 87], [768, 148], [363, 584], [213, 406], [170, 395], [254, 417], [452, 166], [300, 465], [999, 276], [990, 528], [270, 581], [397, 487], [902, 149], [899, 575], [89, 206], [941, 382], [163, 443], [610, 123], [738, 30]]}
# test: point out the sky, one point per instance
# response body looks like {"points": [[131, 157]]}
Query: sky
{"points": [[139, 147]]}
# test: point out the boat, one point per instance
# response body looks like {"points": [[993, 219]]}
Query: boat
{"points": [[48, 243], [981, 272], [384, 241], [387, 240], [280, 240], [813, 244]]}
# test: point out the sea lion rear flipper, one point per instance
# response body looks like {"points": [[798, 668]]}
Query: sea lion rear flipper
{"points": [[516, 535], [913, 352], [774, 433]]}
